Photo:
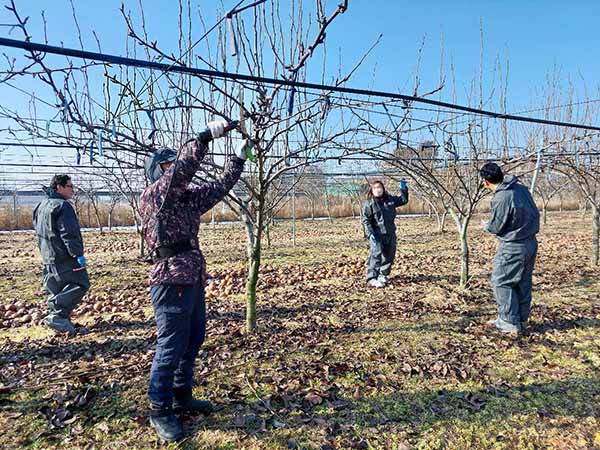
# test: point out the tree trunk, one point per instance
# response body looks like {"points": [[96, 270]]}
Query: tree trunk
{"points": [[353, 214], [268, 233], [253, 270], [438, 218], [99, 222], [442, 222], [462, 224], [249, 236], [545, 213], [560, 207], [595, 233], [583, 209], [142, 244], [464, 261], [328, 206], [97, 214], [140, 232]]}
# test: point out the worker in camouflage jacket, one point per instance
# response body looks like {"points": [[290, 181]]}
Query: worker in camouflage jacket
{"points": [[378, 218], [515, 220], [65, 276], [170, 209]]}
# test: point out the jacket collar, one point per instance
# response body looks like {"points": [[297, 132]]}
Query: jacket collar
{"points": [[507, 183], [51, 193]]}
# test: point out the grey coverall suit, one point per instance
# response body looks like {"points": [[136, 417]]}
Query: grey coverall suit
{"points": [[515, 220]]}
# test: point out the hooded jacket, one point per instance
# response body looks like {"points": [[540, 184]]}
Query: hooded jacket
{"points": [[514, 215], [58, 231]]}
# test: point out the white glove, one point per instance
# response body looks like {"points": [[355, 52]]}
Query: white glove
{"points": [[242, 150], [217, 128]]}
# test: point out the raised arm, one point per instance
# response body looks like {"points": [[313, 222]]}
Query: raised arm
{"points": [[402, 199], [175, 180], [207, 194]]}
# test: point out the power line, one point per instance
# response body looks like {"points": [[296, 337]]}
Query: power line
{"points": [[114, 59]]}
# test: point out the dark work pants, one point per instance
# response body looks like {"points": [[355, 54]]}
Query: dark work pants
{"points": [[66, 288], [382, 256], [512, 279], [180, 314]]}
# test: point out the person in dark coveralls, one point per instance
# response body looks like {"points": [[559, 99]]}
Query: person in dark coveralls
{"points": [[61, 246], [379, 214], [515, 220], [170, 209]]}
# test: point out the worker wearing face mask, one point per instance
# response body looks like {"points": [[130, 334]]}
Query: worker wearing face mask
{"points": [[379, 214]]}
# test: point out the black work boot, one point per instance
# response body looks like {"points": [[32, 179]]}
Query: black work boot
{"points": [[59, 324], [183, 401], [167, 425]]}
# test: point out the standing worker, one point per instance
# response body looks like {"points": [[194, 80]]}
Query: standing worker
{"points": [[515, 220], [379, 215], [61, 245], [170, 209]]}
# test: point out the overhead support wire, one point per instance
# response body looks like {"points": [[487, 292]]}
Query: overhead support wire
{"points": [[114, 59]]}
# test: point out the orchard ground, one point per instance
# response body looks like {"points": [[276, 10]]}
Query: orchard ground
{"points": [[333, 364]]}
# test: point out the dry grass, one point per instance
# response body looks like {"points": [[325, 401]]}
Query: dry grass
{"points": [[333, 364]]}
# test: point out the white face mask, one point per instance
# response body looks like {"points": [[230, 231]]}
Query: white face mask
{"points": [[377, 191]]}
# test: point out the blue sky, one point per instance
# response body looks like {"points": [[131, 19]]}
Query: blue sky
{"points": [[535, 37]]}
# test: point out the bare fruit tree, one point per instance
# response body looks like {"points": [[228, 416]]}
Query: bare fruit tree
{"points": [[116, 114], [549, 186], [580, 162]]}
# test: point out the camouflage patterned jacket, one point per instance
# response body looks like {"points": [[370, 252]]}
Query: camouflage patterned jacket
{"points": [[170, 210]]}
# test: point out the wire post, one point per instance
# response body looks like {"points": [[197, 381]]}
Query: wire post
{"points": [[538, 164]]}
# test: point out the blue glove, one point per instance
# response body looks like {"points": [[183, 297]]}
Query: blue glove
{"points": [[403, 185], [82, 261], [372, 239]]}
